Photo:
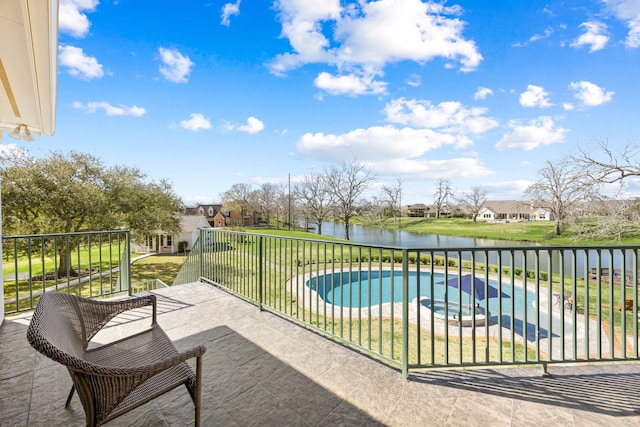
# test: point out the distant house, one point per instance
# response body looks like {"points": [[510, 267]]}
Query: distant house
{"points": [[213, 213], [418, 210], [219, 218], [168, 243], [513, 210]]}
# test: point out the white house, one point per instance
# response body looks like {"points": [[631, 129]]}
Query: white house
{"points": [[169, 244], [513, 210]]}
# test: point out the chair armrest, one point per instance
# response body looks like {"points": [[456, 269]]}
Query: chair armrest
{"points": [[149, 369], [96, 314]]}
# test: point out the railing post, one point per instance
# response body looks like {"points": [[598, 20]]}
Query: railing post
{"points": [[127, 258], [405, 313], [201, 254], [260, 281]]}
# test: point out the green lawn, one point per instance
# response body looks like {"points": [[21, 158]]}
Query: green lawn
{"points": [[163, 267]]}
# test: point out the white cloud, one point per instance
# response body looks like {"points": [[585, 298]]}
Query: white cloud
{"points": [[507, 190], [527, 136], [627, 11], [595, 36], [349, 84], [568, 106], [590, 94], [423, 169], [176, 67], [392, 151], [547, 33], [196, 122], [79, 65], [535, 96], [414, 80], [253, 126], [369, 35], [228, 10], [110, 110], [448, 117], [633, 37], [379, 143], [72, 20], [482, 93]]}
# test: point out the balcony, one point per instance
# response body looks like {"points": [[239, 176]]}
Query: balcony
{"points": [[282, 350], [261, 369]]}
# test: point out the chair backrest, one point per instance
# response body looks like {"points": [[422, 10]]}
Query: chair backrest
{"points": [[56, 329]]}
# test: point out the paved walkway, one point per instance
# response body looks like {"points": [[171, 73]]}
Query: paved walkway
{"points": [[261, 370]]}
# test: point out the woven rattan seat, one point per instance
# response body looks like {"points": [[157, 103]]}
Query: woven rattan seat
{"points": [[117, 377]]}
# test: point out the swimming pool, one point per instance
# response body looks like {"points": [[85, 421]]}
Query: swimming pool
{"points": [[363, 289]]}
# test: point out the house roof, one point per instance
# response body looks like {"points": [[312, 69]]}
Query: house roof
{"points": [[28, 64], [508, 206], [191, 222], [194, 210]]}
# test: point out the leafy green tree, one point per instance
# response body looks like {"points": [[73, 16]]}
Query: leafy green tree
{"points": [[74, 192]]}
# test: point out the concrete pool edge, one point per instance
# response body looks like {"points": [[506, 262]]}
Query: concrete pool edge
{"points": [[422, 318]]}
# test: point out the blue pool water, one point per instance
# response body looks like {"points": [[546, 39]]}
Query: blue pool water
{"points": [[361, 289]]}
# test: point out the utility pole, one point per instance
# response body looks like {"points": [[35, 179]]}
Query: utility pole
{"points": [[289, 197]]}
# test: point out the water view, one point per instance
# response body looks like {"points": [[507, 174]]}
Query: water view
{"points": [[380, 236]]}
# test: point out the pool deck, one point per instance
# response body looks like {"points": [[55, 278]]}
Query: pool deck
{"points": [[262, 370]]}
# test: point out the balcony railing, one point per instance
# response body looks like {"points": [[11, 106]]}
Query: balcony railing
{"points": [[93, 264], [432, 307]]}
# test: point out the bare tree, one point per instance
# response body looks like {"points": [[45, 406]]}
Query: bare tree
{"points": [[473, 200], [282, 204], [239, 198], [373, 211], [608, 167], [393, 196], [560, 187], [347, 184], [443, 194], [316, 199], [267, 198], [603, 166]]}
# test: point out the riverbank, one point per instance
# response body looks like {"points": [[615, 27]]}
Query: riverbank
{"points": [[533, 231]]}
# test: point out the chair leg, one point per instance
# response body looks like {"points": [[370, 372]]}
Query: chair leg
{"points": [[73, 388], [197, 395]]}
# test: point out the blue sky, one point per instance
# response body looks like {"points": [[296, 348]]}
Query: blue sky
{"points": [[211, 93]]}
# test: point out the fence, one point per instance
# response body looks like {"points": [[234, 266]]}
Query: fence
{"points": [[93, 264], [424, 308]]}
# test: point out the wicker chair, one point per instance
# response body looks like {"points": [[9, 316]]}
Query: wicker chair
{"points": [[117, 377]]}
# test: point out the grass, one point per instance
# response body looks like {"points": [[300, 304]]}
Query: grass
{"points": [[163, 267], [100, 257], [95, 259]]}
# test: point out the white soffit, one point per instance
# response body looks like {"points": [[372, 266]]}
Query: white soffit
{"points": [[28, 64]]}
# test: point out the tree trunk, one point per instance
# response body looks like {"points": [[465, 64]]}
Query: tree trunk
{"points": [[319, 224], [346, 228], [557, 227], [64, 266]]}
